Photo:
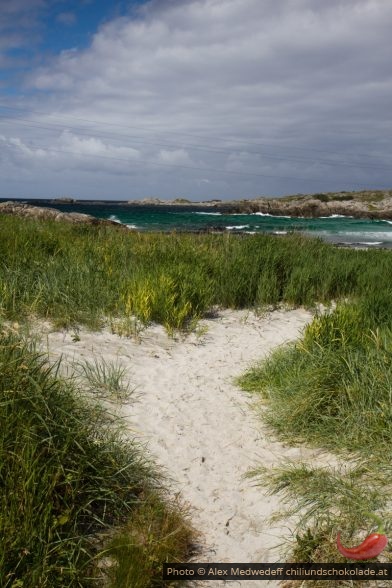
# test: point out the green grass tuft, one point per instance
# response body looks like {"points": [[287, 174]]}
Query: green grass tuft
{"points": [[333, 389], [324, 501], [69, 479], [105, 379]]}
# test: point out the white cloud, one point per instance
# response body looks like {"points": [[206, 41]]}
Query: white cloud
{"points": [[242, 79], [68, 151], [174, 156]]}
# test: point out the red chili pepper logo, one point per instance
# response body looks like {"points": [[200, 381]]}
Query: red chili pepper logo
{"points": [[372, 546]]}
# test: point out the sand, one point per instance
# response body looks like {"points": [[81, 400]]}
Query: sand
{"points": [[200, 426]]}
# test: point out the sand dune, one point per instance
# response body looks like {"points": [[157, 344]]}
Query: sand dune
{"points": [[199, 425]]}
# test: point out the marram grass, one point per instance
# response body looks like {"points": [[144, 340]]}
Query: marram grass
{"points": [[105, 379], [74, 491], [81, 274], [318, 502], [333, 389]]}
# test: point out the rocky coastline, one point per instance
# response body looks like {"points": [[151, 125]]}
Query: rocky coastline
{"points": [[375, 204], [43, 213]]}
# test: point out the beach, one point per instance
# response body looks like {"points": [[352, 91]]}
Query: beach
{"points": [[197, 423]]}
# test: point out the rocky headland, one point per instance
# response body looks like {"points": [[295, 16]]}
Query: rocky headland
{"points": [[42, 213], [374, 204]]}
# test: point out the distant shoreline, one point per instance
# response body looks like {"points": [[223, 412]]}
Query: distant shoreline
{"points": [[370, 204], [356, 231]]}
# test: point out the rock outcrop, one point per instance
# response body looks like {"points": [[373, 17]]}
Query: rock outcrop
{"points": [[372, 205], [40, 212], [64, 200]]}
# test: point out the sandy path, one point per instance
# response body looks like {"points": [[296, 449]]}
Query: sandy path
{"points": [[199, 425]]}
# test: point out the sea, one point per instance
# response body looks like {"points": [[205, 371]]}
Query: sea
{"points": [[342, 230]]}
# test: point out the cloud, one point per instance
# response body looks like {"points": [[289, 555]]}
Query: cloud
{"points": [[17, 17], [66, 18], [174, 156], [68, 152], [258, 92]]}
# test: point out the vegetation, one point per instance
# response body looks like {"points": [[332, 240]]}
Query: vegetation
{"points": [[81, 274], [321, 197], [362, 196], [332, 389], [324, 501], [105, 379], [75, 494]]}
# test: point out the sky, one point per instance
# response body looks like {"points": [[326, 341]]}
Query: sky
{"points": [[197, 99]]}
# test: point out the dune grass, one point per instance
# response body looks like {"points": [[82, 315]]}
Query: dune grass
{"points": [[105, 379], [332, 389], [321, 501], [82, 274], [74, 488], [155, 533]]}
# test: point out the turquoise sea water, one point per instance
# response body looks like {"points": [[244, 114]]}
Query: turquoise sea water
{"points": [[337, 229]]}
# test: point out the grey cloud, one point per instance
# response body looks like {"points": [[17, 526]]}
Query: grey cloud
{"points": [[268, 85], [20, 15], [19, 29]]}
